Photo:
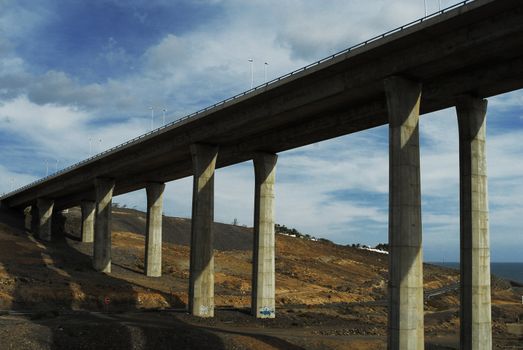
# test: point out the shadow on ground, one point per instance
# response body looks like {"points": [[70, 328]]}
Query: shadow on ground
{"points": [[54, 282]]}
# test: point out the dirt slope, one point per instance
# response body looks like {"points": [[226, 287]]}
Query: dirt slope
{"points": [[327, 294], [174, 230]]}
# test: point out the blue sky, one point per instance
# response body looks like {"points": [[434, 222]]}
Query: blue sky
{"points": [[77, 77]]}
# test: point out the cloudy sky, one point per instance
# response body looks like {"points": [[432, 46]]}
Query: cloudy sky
{"points": [[77, 77]]}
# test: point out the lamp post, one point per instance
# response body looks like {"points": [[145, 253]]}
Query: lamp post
{"points": [[265, 70], [90, 147], [46, 168], [164, 110], [252, 72], [152, 117]]}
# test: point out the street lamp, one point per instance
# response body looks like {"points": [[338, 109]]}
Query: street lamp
{"points": [[265, 70], [252, 72], [152, 117], [164, 110], [90, 147], [56, 167], [46, 167], [425, 3]]}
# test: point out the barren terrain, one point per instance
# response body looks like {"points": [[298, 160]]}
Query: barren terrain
{"points": [[328, 296]]}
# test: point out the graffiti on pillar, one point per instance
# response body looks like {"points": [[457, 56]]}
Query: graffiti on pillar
{"points": [[204, 310], [107, 301], [266, 311]]}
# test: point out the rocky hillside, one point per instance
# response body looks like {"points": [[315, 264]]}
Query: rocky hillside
{"points": [[175, 230], [334, 289]]}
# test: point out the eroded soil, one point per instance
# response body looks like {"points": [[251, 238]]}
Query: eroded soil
{"points": [[328, 296]]}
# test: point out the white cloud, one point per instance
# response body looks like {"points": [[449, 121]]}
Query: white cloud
{"points": [[196, 68], [62, 132], [12, 180], [17, 20], [507, 101]]}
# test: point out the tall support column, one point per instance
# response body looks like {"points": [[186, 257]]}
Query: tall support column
{"points": [[153, 231], [475, 307], [405, 330], [88, 212], [102, 228], [45, 213], [263, 273], [34, 219], [201, 278]]}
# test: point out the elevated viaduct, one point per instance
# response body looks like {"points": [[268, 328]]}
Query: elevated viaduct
{"points": [[455, 58]]}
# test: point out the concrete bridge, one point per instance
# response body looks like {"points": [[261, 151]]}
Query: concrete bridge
{"points": [[456, 58]]}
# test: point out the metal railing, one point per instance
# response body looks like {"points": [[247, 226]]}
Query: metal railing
{"points": [[242, 94]]}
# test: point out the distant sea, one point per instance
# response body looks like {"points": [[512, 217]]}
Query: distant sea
{"points": [[511, 271]]}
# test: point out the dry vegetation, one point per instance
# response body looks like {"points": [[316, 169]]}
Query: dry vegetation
{"points": [[328, 296]]}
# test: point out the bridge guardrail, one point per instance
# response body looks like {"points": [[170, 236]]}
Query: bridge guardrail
{"points": [[223, 102]]}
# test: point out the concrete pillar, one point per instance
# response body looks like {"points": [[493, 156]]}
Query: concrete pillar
{"points": [[45, 213], [405, 329], [88, 212], [34, 219], [102, 229], [201, 278], [263, 272], [475, 309], [153, 231]]}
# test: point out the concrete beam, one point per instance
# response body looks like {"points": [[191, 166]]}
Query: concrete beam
{"points": [[475, 306], [102, 232], [405, 329], [201, 278], [88, 213], [45, 213], [153, 231], [263, 272]]}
